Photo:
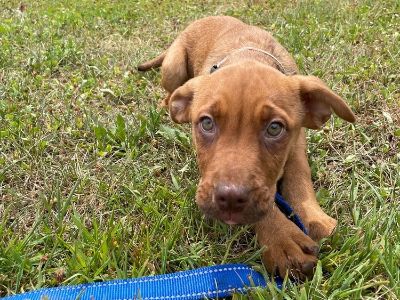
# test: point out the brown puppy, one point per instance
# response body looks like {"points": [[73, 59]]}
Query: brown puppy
{"points": [[247, 118]]}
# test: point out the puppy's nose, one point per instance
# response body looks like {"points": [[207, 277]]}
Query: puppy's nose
{"points": [[230, 197]]}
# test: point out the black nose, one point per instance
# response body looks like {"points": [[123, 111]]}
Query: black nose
{"points": [[230, 197]]}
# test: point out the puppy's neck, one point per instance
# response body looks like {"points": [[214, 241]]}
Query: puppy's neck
{"points": [[246, 54]]}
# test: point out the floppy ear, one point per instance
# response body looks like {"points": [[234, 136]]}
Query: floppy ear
{"points": [[319, 101], [181, 100]]}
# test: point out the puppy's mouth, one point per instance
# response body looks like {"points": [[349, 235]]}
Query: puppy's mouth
{"points": [[231, 218], [238, 218]]}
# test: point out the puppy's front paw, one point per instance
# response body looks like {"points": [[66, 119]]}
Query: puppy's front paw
{"points": [[288, 250]]}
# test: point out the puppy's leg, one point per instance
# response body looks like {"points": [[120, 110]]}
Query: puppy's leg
{"points": [[174, 68], [287, 248], [298, 190]]}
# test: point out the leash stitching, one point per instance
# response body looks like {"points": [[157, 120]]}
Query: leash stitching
{"points": [[101, 284], [193, 294]]}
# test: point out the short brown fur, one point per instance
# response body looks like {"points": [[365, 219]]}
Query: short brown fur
{"points": [[241, 164]]}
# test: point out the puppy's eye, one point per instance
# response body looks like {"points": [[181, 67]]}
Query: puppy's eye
{"points": [[207, 124], [274, 129]]}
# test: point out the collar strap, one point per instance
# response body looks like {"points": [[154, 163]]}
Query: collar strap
{"points": [[221, 62]]}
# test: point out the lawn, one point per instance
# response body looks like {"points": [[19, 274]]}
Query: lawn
{"points": [[97, 183]]}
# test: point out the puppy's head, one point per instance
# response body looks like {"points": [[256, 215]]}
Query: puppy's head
{"points": [[245, 119]]}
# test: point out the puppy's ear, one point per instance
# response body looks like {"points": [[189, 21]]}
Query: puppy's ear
{"points": [[181, 100], [319, 101]]}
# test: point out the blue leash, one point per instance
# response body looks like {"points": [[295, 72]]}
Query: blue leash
{"points": [[209, 282]]}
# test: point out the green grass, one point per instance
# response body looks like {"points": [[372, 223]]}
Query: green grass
{"points": [[97, 183]]}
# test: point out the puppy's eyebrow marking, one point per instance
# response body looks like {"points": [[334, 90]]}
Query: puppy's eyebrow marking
{"points": [[214, 109], [268, 110]]}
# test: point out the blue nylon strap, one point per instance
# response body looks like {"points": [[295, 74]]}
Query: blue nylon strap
{"points": [[208, 282], [289, 212]]}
